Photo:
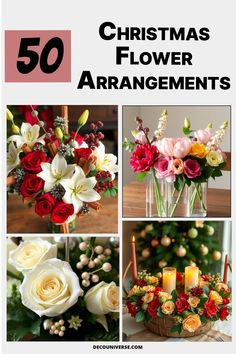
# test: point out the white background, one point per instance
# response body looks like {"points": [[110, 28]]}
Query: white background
{"points": [[215, 57]]}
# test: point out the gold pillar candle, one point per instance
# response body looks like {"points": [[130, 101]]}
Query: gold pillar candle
{"points": [[169, 279], [191, 277]]}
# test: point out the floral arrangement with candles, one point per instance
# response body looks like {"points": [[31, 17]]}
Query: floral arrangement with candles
{"points": [[183, 161], [63, 288], [61, 173], [197, 300]]}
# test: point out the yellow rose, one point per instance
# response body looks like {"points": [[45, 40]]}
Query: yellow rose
{"points": [[193, 301], [191, 323], [163, 296], [152, 280], [214, 158], [148, 298], [198, 150], [168, 307], [216, 297], [221, 285], [134, 290], [148, 288]]}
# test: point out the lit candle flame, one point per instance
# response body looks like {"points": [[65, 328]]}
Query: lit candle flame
{"points": [[133, 238]]}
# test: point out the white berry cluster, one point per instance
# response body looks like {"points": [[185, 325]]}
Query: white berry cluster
{"points": [[94, 262], [56, 328]]}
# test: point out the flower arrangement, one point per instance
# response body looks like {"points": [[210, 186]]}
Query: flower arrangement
{"points": [[184, 161], [206, 302], [62, 173], [62, 289]]}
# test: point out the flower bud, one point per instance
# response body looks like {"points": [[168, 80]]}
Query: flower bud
{"points": [[58, 133], [187, 123], [9, 115], [134, 133], [164, 113], [15, 129], [83, 118], [209, 126]]}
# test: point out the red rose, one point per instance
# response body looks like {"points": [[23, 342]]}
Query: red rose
{"points": [[31, 185], [44, 204], [143, 157], [192, 169], [157, 290], [131, 309], [32, 161], [61, 212], [152, 308], [224, 313], [210, 308], [83, 152], [181, 305], [179, 276], [225, 300]]}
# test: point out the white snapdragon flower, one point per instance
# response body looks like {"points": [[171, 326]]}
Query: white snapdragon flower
{"points": [[13, 159], [55, 172], [79, 189], [29, 134], [105, 162]]}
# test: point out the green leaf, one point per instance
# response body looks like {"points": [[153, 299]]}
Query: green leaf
{"points": [[139, 316], [159, 313], [186, 131], [204, 319], [140, 176], [128, 145], [35, 327], [176, 328], [174, 295]]}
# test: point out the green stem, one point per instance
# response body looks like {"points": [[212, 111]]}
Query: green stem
{"points": [[178, 199], [198, 186], [159, 202]]}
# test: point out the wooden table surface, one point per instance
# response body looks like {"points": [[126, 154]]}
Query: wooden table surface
{"points": [[134, 200], [21, 219]]}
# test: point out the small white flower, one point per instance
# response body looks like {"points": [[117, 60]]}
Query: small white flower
{"points": [[55, 172], [79, 189], [105, 162], [13, 159], [29, 134]]}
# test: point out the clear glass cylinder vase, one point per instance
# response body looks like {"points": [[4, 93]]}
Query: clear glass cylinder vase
{"points": [[56, 228], [197, 200], [162, 199]]}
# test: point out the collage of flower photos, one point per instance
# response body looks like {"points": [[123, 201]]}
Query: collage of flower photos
{"points": [[77, 267]]}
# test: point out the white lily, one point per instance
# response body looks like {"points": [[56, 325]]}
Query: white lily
{"points": [[13, 159], [79, 189], [105, 162], [55, 172], [29, 134]]}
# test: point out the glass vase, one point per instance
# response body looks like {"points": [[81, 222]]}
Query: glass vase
{"points": [[197, 200], [56, 228], [162, 199]]}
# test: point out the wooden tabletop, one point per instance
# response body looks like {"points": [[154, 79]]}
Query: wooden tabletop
{"points": [[134, 199], [21, 219]]}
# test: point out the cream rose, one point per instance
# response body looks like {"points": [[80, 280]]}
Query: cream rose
{"points": [[191, 323], [10, 247], [103, 298], [193, 301], [214, 158], [168, 307], [216, 297], [30, 253], [148, 298], [50, 288]]}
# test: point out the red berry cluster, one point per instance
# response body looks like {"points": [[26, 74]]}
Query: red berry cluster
{"points": [[94, 138], [103, 181], [196, 291]]}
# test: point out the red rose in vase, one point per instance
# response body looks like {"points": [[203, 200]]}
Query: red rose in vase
{"points": [[44, 204], [61, 212], [181, 304], [83, 152], [131, 309], [224, 313], [210, 308], [31, 185], [143, 157], [152, 308], [32, 161]]}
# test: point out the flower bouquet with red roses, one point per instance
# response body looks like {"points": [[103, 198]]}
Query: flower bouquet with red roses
{"points": [[176, 168], [61, 173], [179, 314]]}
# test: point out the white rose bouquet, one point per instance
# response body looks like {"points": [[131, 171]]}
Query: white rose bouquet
{"points": [[69, 299]]}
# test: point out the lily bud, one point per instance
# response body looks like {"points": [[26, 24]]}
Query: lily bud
{"points": [[134, 133], [187, 123], [225, 124], [83, 118], [15, 129], [164, 113], [58, 133], [209, 126], [9, 115]]}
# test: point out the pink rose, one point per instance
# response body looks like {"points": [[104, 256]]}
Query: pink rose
{"points": [[202, 136], [192, 169], [181, 148], [143, 157], [165, 146], [164, 168]]}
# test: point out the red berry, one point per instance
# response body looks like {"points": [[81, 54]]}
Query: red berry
{"points": [[99, 124]]}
